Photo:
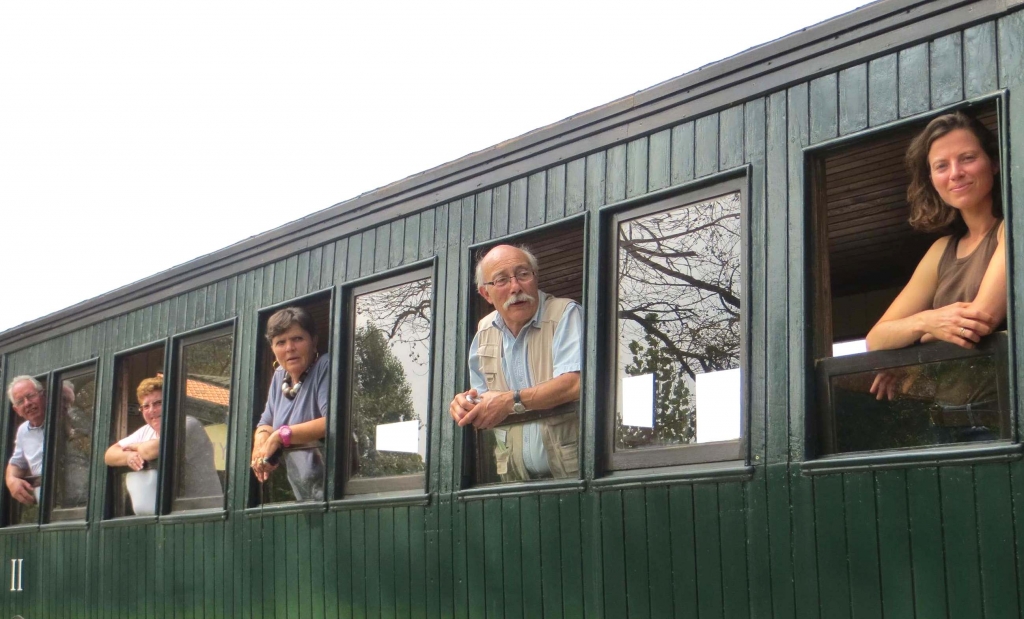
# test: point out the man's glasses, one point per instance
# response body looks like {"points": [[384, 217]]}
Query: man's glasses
{"points": [[35, 395], [523, 276]]}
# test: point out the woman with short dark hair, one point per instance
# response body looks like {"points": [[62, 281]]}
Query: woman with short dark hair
{"points": [[294, 419]]}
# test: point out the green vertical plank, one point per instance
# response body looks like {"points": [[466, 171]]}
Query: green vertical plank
{"points": [[446, 580], [613, 555], [913, 80], [499, 210], [595, 181], [862, 543], [382, 248], [575, 186], [708, 550], [512, 555], [433, 602], [302, 274], [536, 195], [805, 561], [570, 524], [883, 100], [996, 540], [636, 167], [460, 562], [638, 585], [830, 526], [980, 60], [960, 526], [482, 220], [730, 149], [659, 556], [659, 167], [475, 559], [396, 243], [369, 247], [777, 311], [853, 99], [346, 560], [517, 198], [317, 562], [284, 593], [359, 563], [411, 248], [926, 543], [615, 174], [894, 544], [373, 560], [824, 108], [387, 563], [684, 551], [735, 588], [946, 64], [533, 585], [494, 564], [290, 276], [798, 122], [305, 557], [1017, 501], [418, 563], [705, 144], [316, 265], [332, 549], [426, 241], [758, 548], [550, 541], [402, 563], [355, 245], [554, 200]]}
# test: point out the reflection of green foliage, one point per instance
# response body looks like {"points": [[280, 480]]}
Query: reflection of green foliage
{"points": [[380, 394], [676, 422], [211, 357]]}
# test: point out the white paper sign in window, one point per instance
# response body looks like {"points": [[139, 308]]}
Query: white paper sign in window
{"points": [[402, 436], [638, 401], [718, 406]]}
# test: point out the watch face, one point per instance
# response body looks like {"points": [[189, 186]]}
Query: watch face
{"points": [[518, 407]]}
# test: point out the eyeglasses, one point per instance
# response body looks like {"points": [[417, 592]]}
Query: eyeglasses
{"points": [[523, 276], [35, 395]]}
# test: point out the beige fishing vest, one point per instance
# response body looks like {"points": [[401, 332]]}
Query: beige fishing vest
{"points": [[560, 434]]}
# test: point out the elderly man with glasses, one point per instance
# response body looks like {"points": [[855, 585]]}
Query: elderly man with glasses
{"points": [[28, 398], [526, 356]]}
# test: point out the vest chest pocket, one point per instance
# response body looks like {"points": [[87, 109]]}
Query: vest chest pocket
{"points": [[489, 357]]}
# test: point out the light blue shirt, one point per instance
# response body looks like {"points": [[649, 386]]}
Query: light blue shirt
{"points": [[567, 353], [28, 449]]}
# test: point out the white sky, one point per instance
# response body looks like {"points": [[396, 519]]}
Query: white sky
{"points": [[135, 136]]}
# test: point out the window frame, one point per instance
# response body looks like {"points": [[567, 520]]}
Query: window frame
{"points": [[375, 487], [252, 502], [737, 450], [50, 446], [173, 397], [109, 473], [819, 417], [6, 500]]}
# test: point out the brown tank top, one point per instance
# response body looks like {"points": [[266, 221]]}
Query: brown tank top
{"points": [[960, 278]]}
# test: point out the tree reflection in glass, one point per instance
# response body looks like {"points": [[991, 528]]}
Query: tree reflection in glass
{"points": [[73, 445], [389, 388], [678, 319]]}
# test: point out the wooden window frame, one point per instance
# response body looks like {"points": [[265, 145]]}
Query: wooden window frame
{"points": [[401, 485], [695, 453], [77, 514], [7, 502], [171, 409]]}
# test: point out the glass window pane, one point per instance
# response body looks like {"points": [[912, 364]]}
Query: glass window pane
{"points": [[204, 402], [26, 452], [73, 445], [951, 401], [388, 407], [678, 326]]}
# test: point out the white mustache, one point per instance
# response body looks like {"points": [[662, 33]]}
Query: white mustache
{"points": [[516, 298]]}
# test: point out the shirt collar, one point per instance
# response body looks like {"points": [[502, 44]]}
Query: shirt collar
{"points": [[541, 299]]}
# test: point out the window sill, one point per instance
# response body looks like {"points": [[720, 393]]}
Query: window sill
{"points": [[16, 529], [386, 499], [943, 455], [521, 489], [711, 472], [279, 509], [128, 521], [194, 516], [65, 525]]}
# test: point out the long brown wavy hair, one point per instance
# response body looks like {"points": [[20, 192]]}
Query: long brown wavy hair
{"points": [[928, 213]]}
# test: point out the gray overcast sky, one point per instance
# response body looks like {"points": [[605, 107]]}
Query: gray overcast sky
{"points": [[135, 136]]}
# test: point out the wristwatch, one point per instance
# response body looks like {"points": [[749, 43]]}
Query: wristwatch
{"points": [[517, 403], [286, 436]]}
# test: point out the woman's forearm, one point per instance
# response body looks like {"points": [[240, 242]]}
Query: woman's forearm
{"points": [[309, 431], [897, 333]]}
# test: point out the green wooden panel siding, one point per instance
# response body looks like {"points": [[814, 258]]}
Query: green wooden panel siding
{"points": [[913, 80], [946, 63], [980, 60], [883, 97], [824, 108], [853, 99]]}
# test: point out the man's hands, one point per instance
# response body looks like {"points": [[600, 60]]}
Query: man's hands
{"points": [[481, 411], [20, 489]]}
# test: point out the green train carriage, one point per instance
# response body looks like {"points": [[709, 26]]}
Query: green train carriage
{"points": [[806, 514]]}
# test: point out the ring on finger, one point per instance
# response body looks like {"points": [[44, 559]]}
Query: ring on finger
{"points": [[962, 329]]}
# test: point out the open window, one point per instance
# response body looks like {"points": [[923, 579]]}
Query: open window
{"points": [[72, 444], [25, 449], [308, 457], [677, 332], [559, 250], [388, 361], [129, 492], [863, 252], [202, 419]]}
